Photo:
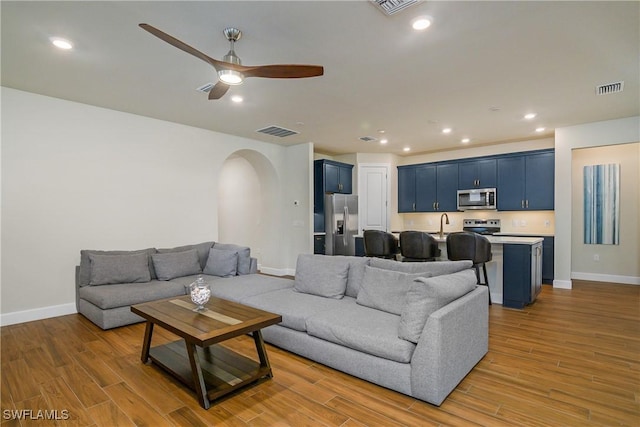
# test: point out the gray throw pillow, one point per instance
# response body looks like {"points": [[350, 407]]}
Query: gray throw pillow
{"points": [[221, 263], [428, 295], [201, 248], [109, 269], [385, 289], [321, 275], [244, 255], [176, 264], [436, 268]]}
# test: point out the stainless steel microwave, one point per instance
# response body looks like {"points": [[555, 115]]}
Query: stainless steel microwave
{"points": [[477, 198]]}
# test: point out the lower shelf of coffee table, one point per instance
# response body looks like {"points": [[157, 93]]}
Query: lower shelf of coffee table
{"points": [[223, 370]]}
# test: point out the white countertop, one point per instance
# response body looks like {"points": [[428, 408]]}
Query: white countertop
{"points": [[502, 240], [506, 233]]}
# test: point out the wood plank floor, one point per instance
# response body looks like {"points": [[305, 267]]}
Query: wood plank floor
{"points": [[571, 359]]}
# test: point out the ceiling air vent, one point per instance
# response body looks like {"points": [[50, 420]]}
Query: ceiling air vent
{"points": [[277, 131], [367, 138], [609, 88], [205, 88], [389, 7]]}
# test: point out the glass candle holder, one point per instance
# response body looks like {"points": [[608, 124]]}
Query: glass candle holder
{"points": [[200, 293]]}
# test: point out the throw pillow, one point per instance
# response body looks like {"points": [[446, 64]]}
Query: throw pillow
{"points": [[427, 295], [244, 255], [385, 289], [201, 248], [221, 263], [176, 264], [321, 275], [129, 268]]}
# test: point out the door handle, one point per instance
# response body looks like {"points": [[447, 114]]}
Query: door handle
{"points": [[346, 226]]}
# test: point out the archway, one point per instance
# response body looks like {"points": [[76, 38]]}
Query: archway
{"points": [[247, 205]]}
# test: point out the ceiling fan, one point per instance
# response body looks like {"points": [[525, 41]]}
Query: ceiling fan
{"points": [[230, 70]]}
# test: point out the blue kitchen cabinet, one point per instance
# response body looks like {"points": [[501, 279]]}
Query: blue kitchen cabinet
{"points": [[547, 260], [526, 182], [318, 244], [328, 177], [478, 173], [427, 187]]}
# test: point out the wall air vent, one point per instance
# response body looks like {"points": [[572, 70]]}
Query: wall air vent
{"points": [[205, 88], [367, 138], [277, 131], [389, 7], [609, 88]]}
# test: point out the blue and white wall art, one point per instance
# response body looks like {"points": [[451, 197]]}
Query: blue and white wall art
{"points": [[602, 204]]}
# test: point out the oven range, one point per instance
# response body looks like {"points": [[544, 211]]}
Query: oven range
{"points": [[482, 226]]}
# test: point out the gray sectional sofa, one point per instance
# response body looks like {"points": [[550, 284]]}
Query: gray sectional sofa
{"points": [[417, 328], [108, 283]]}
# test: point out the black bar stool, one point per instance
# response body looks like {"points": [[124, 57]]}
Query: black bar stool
{"points": [[380, 244], [418, 246], [472, 246]]}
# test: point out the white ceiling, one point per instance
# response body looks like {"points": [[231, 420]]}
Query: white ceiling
{"points": [[478, 69]]}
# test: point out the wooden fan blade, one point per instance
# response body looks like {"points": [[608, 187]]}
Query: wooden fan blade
{"points": [[283, 71], [181, 45], [218, 90]]}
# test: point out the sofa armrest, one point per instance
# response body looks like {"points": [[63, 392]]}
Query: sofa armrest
{"points": [[455, 338], [253, 269]]}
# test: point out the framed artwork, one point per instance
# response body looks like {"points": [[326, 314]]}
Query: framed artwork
{"points": [[602, 204]]}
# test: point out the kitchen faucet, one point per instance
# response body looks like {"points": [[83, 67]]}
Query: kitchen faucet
{"points": [[444, 215]]}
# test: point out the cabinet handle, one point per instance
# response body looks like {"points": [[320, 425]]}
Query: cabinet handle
{"points": [[437, 206], [526, 205], [434, 206], [522, 204], [414, 206]]}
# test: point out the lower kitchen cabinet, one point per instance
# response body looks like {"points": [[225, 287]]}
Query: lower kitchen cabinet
{"points": [[547, 260], [318, 244], [522, 274]]}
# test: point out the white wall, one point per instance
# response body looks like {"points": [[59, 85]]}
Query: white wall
{"points": [[80, 177], [610, 132], [615, 263]]}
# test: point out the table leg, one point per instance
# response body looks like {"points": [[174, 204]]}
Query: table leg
{"points": [[262, 352], [146, 343], [198, 378]]}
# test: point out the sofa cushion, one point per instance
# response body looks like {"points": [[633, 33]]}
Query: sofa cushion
{"points": [[201, 248], [436, 268], [125, 294], [244, 256], [237, 288], [356, 274], [176, 264], [84, 273], [295, 307], [221, 263], [128, 268], [385, 289], [428, 295], [364, 329], [321, 275]]}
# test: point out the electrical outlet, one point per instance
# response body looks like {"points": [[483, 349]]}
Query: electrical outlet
{"points": [[523, 223], [596, 257], [547, 223], [410, 223], [514, 223], [430, 222]]}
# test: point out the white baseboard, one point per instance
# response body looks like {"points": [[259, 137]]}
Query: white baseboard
{"points": [[7, 319], [627, 280], [277, 271], [562, 284]]}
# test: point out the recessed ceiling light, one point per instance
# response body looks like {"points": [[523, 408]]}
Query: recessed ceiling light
{"points": [[530, 116], [237, 98], [421, 23], [381, 131], [61, 43], [465, 140], [446, 130], [384, 141], [406, 149], [540, 129]]}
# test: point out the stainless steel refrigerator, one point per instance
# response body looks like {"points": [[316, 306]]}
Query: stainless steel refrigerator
{"points": [[340, 223]]}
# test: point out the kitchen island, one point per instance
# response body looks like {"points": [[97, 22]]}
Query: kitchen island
{"points": [[515, 270]]}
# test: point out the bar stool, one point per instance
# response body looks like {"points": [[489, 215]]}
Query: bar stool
{"points": [[380, 244], [418, 246], [472, 246]]}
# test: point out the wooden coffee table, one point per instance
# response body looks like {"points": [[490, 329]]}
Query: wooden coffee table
{"points": [[197, 360]]}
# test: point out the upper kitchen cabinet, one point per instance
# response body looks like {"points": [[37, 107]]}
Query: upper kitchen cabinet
{"points": [[427, 187], [526, 182], [479, 173], [328, 177]]}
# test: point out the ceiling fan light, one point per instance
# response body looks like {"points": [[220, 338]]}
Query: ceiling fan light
{"points": [[230, 77]]}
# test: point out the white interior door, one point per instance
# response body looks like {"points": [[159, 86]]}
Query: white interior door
{"points": [[373, 194]]}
